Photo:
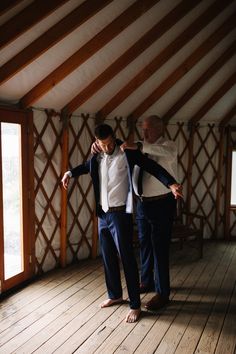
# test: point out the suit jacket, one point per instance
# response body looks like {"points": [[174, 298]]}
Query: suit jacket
{"points": [[133, 157]]}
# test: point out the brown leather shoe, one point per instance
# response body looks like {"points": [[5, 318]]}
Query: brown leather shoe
{"points": [[156, 302]]}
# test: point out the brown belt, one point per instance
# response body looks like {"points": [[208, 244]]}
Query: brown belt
{"points": [[150, 199], [118, 208]]}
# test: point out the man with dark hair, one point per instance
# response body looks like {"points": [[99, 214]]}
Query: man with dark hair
{"points": [[103, 131], [111, 175]]}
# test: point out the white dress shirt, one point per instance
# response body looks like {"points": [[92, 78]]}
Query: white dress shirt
{"points": [[116, 170], [164, 152]]}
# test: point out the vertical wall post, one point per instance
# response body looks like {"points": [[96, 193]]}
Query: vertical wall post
{"points": [[190, 167], [219, 182], [64, 168]]}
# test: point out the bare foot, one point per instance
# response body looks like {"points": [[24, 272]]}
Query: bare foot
{"points": [[110, 302], [133, 315]]}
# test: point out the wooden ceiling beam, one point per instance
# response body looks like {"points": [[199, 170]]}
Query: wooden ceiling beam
{"points": [[85, 52], [26, 19], [198, 84], [196, 26], [7, 5], [228, 116], [56, 33], [127, 57], [231, 81], [186, 66]]}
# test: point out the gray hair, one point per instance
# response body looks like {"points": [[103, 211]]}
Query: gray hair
{"points": [[154, 120]]}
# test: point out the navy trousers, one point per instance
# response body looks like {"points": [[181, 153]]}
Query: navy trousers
{"points": [[116, 240], [154, 221]]}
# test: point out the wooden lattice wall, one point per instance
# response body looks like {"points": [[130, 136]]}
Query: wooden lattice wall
{"points": [[202, 152], [80, 195], [47, 172]]}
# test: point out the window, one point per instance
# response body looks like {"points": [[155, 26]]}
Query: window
{"points": [[16, 198], [12, 199], [233, 180]]}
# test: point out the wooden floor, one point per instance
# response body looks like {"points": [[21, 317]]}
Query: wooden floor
{"points": [[60, 313]]}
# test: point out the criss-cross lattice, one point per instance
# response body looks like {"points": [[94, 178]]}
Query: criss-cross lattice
{"points": [[80, 196], [232, 230], [220, 217], [47, 151], [204, 175], [119, 127]]}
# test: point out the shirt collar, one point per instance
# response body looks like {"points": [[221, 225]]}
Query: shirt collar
{"points": [[113, 155]]}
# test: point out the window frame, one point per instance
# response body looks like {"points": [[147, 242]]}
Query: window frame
{"points": [[25, 119], [233, 149]]}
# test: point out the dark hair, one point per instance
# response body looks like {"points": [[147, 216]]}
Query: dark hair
{"points": [[103, 131]]}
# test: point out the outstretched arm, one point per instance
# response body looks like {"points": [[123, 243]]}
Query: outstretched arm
{"points": [[75, 172], [135, 157], [66, 178]]}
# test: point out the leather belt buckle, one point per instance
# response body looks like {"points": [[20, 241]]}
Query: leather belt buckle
{"points": [[154, 198], [118, 208]]}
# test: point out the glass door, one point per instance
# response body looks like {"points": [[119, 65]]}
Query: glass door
{"points": [[233, 180], [12, 199], [15, 199]]}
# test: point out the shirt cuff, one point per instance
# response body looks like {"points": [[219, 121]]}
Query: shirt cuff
{"points": [[146, 148], [69, 174]]}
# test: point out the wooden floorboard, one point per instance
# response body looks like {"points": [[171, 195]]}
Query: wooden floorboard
{"points": [[37, 290], [60, 312]]}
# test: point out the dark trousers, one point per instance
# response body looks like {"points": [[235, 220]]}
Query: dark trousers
{"points": [[116, 240], [154, 221]]}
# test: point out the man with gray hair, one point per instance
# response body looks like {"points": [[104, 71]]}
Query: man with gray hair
{"points": [[155, 211]]}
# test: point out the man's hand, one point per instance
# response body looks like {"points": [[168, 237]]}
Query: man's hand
{"points": [[130, 146], [177, 190], [95, 148], [65, 179]]}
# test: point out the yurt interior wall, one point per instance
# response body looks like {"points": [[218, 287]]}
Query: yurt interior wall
{"points": [[66, 65]]}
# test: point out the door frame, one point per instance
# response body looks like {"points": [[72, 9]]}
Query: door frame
{"points": [[25, 119]]}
